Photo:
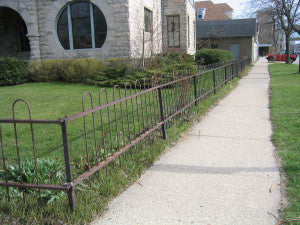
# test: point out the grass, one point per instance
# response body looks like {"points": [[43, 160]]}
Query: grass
{"points": [[57, 100], [285, 109], [47, 101], [91, 199]]}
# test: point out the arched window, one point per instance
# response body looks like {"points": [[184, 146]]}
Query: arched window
{"points": [[13, 35], [81, 25]]}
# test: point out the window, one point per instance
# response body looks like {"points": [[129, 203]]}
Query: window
{"points": [[201, 14], [214, 46], [173, 31], [81, 25], [148, 20]]}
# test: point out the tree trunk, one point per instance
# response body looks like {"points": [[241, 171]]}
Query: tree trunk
{"points": [[287, 47]]}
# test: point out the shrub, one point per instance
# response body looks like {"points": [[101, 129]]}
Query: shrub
{"points": [[45, 71], [165, 63], [209, 56], [13, 71], [107, 74], [66, 70]]}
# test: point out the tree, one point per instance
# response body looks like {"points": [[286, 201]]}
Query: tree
{"points": [[286, 16], [285, 25], [291, 12]]}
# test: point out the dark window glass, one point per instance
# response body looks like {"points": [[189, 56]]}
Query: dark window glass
{"points": [[200, 14], [173, 31], [214, 46], [81, 25], [63, 29], [77, 23], [100, 27], [148, 20]]}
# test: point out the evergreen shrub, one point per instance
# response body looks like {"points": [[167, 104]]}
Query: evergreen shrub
{"points": [[13, 71], [210, 56]]}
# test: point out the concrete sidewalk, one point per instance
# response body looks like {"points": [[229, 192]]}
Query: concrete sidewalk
{"points": [[227, 175]]}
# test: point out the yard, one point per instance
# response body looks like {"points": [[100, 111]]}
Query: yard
{"points": [[56, 100], [285, 109], [53, 101]]}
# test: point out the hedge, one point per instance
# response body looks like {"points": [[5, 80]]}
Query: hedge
{"points": [[209, 56], [107, 74], [13, 71], [93, 71]]}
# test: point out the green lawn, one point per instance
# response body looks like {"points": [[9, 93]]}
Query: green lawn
{"points": [[285, 109], [47, 101], [54, 100], [58, 100]]}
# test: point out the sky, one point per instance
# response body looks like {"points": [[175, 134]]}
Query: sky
{"points": [[237, 5]]}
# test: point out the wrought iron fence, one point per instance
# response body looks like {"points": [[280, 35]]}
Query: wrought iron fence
{"points": [[112, 126]]}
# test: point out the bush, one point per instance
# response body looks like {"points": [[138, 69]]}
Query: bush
{"points": [[13, 71], [115, 70], [107, 74], [66, 70], [209, 56]]}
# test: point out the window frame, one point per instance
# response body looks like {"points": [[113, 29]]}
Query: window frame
{"points": [[70, 26], [200, 12], [149, 27], [168, 32]]}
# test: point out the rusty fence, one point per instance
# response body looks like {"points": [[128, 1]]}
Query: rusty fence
{"points": [[112, 125], [214, 65]]}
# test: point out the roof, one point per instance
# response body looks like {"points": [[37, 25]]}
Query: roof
{"points": [[213, 11], [226, 28], [224, 7]]}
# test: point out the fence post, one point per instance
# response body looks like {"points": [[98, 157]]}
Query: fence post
{"points": [[214, 80], [232, 71], [163, 127], [237, 68], [71, 191], [195, 89], [299, 62], [225, 74]]}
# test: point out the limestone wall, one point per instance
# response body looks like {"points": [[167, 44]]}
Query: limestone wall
{"points": [[41, 17], [144, 43], [117, 40], [27, 10], [191, 14], [186, 11], [125, 25]]}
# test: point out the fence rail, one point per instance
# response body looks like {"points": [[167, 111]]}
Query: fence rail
{"points": [[114, 127]]}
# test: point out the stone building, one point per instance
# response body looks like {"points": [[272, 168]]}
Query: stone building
{"points": [[51, 29], [271, 37]]}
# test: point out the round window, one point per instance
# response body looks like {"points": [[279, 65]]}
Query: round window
{"points": [[81, 25]]}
